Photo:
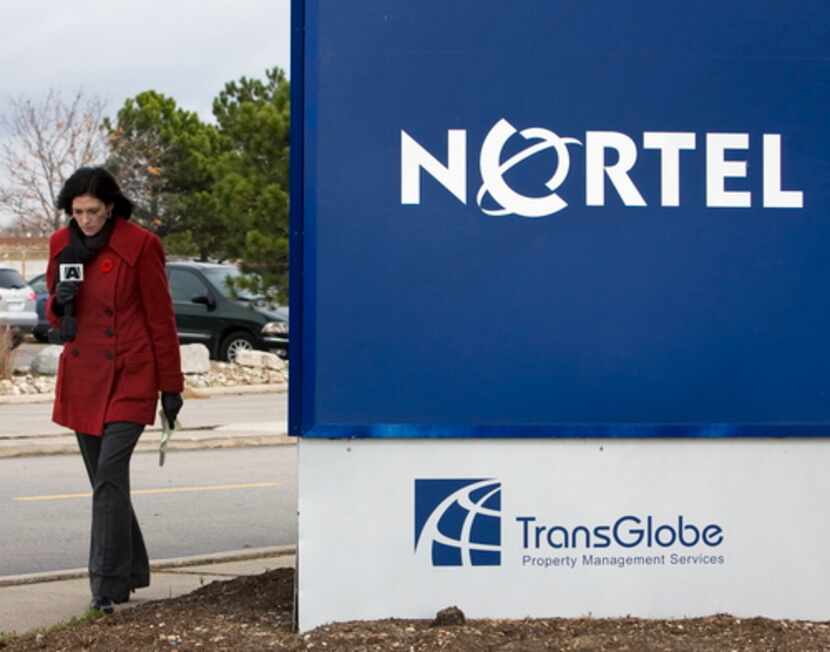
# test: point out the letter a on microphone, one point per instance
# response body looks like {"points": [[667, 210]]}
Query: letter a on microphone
{"points": [[72, 272]]}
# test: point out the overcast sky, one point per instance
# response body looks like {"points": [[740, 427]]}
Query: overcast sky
{"points": [[115, 49], [186, 49]]}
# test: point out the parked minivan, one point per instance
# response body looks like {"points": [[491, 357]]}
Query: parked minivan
{"points": [[211, 311]]}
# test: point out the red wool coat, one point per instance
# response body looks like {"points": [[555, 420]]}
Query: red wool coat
{"points": [[127, 347]]}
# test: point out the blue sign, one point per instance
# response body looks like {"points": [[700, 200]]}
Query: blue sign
{"points": [[560, 218]]}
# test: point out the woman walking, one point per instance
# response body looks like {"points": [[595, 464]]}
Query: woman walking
{"points": [[120, 350]]}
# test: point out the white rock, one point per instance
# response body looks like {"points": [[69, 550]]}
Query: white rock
{"points": [[45, 362], [195, 359], [275, 362], [43, 386], [249, 359], [259, 359]]}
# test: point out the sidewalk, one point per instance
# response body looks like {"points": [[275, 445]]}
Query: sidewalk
{"points": [[34, 601], [200, 393], [225, 436], [26, 428]]}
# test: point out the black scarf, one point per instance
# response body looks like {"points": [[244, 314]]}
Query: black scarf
{"points": [[81, 249]]}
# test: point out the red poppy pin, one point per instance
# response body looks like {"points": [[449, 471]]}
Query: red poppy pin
{"points": [[106, 266]]}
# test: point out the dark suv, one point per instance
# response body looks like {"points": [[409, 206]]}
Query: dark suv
{"points": [[210, 311]]}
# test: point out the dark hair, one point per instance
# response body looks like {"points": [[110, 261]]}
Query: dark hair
{"points": [[100, 184]]}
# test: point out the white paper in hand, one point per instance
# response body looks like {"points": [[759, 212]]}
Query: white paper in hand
{"points": [[166, 433]]}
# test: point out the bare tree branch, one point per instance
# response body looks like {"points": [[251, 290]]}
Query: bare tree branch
{"points": [[45, 143]]}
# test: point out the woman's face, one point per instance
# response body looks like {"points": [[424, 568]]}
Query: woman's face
{"points": [[90, 213]]}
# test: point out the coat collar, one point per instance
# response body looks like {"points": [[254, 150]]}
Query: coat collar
{"points": [[123, 241]]}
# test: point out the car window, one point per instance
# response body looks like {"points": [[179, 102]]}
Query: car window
{"points": [[222, 278], [185, 285], [38, 284], [11, 279]]}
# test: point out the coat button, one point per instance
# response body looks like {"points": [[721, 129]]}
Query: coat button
{"points": [[108, 312], [108, 355], [108, 332], [76, 352]]}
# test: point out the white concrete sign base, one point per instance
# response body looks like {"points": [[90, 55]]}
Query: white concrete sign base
{"points": [[544, 528]]}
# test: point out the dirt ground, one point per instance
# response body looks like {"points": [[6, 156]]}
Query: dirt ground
{"points": [[255, 613]]}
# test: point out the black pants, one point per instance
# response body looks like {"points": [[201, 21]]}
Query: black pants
{"points": [[117, 556]]}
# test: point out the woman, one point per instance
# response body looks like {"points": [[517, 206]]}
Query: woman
{"points": [[120, 349]]}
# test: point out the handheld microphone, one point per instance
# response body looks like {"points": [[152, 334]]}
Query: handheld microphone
{"points": [[74, 273]]}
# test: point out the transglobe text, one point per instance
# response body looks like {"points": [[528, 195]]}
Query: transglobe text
{"points": [[599, 146], [627, 532]]}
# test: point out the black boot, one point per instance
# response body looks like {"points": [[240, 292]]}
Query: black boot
{"points": [[104, 605], [121, 599]]}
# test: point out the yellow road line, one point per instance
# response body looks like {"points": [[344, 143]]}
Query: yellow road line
{"points": [[149, 492]]}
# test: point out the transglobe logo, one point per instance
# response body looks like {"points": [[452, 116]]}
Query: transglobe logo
{"points": [[458, 521], [598, 147], [627, 532]]}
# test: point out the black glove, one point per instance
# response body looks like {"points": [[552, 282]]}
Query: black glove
{"points": [[69, 329], [171, 404], [66, 291]]}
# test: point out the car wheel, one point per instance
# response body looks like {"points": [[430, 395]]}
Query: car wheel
{"points": [[41, 335], [233, 344]]}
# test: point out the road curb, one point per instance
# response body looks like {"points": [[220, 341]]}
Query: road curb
{"points": [[159, 565], [206, 392], [190, 392], [26, 399]]}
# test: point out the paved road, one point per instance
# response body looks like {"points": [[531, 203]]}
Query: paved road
{"points": [[245, 412], [199, 502]]}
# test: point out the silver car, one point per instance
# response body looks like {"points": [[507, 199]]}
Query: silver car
{"points": [[17, 301]]}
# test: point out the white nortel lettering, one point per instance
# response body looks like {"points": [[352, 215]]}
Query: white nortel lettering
{"points": [[669, 143], [718, 169], [774, 197], [596, 142], [453, 176]]}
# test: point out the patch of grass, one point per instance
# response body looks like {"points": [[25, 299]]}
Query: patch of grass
{"points": [[6, 638], [88, 616]]}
